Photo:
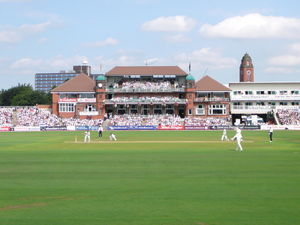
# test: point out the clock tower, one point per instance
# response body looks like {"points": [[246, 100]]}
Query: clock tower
{"points": [[246, 69]]}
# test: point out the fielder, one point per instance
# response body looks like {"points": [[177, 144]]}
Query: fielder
{"points": [[87, 136], [224, 136], [239, 138], [112, 137], [100, 130], [271, 134]]}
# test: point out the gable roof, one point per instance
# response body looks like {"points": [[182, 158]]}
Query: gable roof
{"points": [[80, 83], [207, 83], [146, 70]]}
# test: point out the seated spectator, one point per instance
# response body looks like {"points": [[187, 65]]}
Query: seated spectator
{"points": [[289, 116], [6, 116]]}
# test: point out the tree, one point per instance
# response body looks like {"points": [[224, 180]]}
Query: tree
{"points": [[24, 95]]}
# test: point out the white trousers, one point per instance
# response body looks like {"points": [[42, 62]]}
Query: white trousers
{"points": [[112, 138], [87, 138], [238, 145], [224, 137]]}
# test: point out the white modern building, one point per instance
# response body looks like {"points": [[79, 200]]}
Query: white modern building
{"points": [[248, 98]]}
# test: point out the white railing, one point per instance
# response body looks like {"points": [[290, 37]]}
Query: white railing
{"points": [[264, 97], [92, 113], [250, 109], [213, 99], [140, 101]]}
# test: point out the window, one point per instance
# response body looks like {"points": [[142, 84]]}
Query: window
{"points": [[200, 110], [190, 111], [295, 92], [271, 92], [248, 92], [90, 108], [133, 109], [66, 107], [169, 109], [295, 103], [248, 103], [271, 103], [283, 92], [260, 103], [282, 103], [157, 109], [237, 93], [260, 92], [68, 96], [87, 95], [217, 110]]}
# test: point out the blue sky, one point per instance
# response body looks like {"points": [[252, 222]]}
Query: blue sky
{"points": [[49, 36]]}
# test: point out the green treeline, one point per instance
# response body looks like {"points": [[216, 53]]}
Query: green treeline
{"points": [[23, 95]]}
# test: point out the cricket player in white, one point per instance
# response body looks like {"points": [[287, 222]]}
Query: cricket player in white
{"points": [[271, 134], [87, 136], [224, 136], [100, 130], [238, 137], [112, 137]]}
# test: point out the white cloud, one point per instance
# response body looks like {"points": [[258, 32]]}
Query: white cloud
{"points": [[295, 47], [288, 62], [151, 61], [26, 63], [121, 60], [56, 63], [206, 58], [13, 35], [176, 38], [43, 40], [106, 42], [279, 70], [170, 24], [253, 26], [290, 58], [285, 60]]}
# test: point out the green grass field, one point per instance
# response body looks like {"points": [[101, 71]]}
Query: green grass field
{"points": [[48, 179]]}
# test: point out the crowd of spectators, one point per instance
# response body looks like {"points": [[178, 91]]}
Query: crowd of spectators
{"points": [[167, 120], [32, 116], [208, 121], [6, 116], [146, 120], [147, 99], [146, 85], [130, 85], [289, 116]]}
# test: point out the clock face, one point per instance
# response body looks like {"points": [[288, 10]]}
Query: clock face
{"points": [[100, 85], [249, 72]]}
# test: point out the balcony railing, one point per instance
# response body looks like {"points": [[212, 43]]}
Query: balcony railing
{"points": [[213, 99], [143, 90], [240, 109], [269, 107], [143, 101], [264, 97], [89, 113]]}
